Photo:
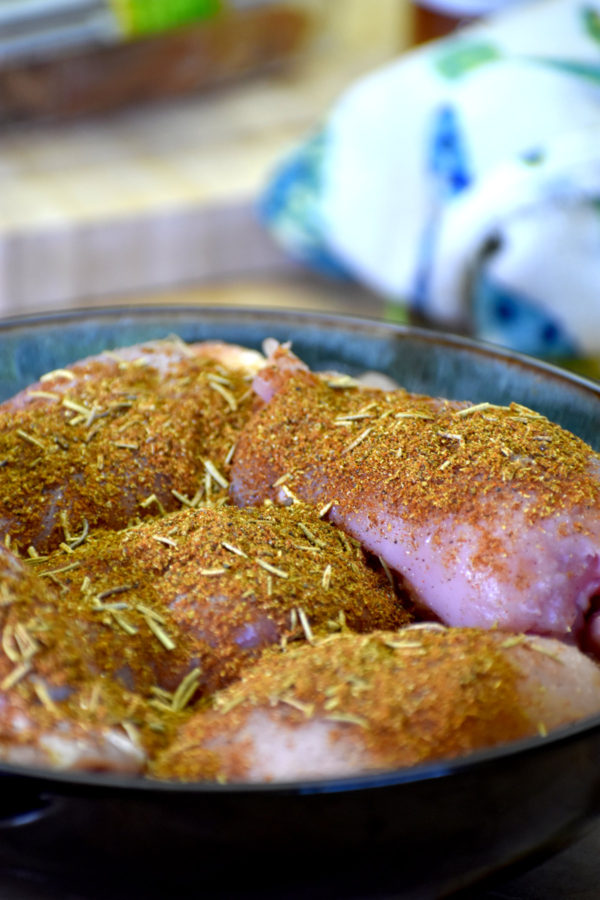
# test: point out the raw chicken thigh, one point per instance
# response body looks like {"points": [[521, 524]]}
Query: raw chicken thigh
{"points": [[42, 669], [357, 703], [490, 514], [105, 646], [120, 436], [148, 625]]}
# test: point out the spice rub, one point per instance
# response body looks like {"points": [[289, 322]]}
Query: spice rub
{"points": [[186, 588], [357, 703], [56, 714], [491, 514], [129, 629], [119, 437]]}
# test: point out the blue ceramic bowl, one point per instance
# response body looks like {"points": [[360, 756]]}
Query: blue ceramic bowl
{"points": [[419, 832]]}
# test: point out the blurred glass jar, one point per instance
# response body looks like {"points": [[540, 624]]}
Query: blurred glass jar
{"points": [[65, 58], [437, 18]]}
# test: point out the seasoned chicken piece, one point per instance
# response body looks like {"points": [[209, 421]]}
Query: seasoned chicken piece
{"points": [[490, 514], [119, 436], [37, 725], [359, 703], [40, 736], [107, 644]]}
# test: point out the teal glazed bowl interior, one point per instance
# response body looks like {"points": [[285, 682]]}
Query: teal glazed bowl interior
{"points": [[421, 832]]}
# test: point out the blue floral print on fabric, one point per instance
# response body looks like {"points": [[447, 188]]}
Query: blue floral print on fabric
{"points": [[506, 317], [448, 174], [291, 207]]}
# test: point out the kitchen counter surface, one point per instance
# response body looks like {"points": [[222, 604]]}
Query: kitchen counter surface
{"points": [[164, 195]]}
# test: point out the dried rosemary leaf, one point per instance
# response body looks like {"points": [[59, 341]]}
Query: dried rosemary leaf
{"points": [[30, 438], [13, 677], [348, 718], [227, 395], [159, 632], [215, 474], [361, 437], [272, 569]]}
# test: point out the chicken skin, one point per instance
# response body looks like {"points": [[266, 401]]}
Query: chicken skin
{"points": [[118, 437], [361, 703], [106, 645], [211, 565], [38, 726], [490, 514]]}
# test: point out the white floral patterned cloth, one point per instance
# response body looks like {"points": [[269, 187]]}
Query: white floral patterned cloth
{"points": [[464, 180]]}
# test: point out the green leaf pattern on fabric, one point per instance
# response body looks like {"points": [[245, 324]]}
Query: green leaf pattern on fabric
{"points": [[459, 57], [586, 71], [591, 22]]}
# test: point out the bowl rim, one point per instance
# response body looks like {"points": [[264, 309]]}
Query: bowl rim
{"points": [[351, 321], [105, 784]]}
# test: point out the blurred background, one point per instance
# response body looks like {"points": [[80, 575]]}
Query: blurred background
{"points": [[150, 150], [136, 138]]}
